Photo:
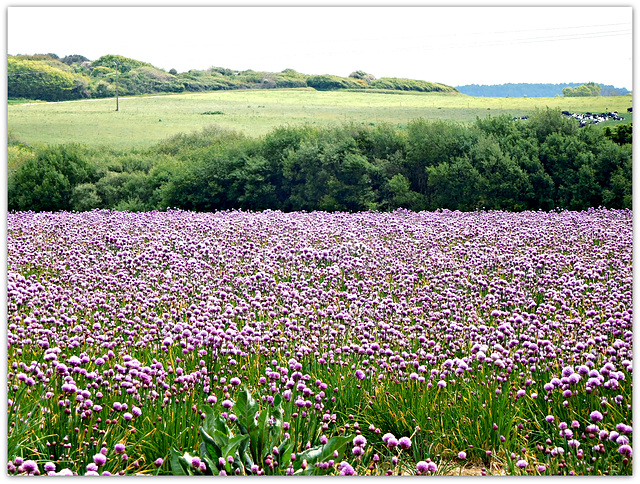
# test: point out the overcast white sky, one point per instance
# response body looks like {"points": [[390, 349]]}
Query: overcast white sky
{"points": [[452, 45]]}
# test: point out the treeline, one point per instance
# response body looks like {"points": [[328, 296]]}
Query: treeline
{"points": [[50, 78], [533, 90], [544, 162]]}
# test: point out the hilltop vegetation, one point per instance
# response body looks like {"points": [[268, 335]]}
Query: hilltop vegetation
{"points": [[50, 78], [544, 162]]}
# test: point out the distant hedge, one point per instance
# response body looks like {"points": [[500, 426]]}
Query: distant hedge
{"points": [[46, 77]]}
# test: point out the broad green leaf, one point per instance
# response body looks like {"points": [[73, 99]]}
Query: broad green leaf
{"points": [[176, 468], [210, 447], [233, 445], [246, 409], [322, 453], [211, 465], [220, 438]]}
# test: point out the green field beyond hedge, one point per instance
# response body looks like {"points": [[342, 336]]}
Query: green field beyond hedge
{"points": [[143, 121]]}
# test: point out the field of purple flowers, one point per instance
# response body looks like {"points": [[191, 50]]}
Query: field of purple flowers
{"points": [[316, 343]]}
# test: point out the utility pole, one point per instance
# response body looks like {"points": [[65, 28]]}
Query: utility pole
{"points": [[117, 65]]}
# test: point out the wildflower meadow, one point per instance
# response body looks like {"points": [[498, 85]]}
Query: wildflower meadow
{"points": [[304, 343]]}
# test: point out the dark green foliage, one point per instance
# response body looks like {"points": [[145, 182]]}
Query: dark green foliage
{"points": [[543, 163], [252, 441], [46, 182], [621, 134]]}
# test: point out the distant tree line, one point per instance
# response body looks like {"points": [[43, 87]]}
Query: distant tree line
{"points": [[48, 77], [544, 162], [532, 90]]}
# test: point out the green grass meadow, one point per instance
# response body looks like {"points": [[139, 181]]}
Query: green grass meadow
{"points": [[145, 120]]}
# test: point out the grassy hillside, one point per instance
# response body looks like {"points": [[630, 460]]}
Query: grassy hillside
{"points": [[143, 121]]}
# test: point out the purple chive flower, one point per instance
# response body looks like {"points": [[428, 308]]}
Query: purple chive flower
{"points": [[49, 467], [29, 466], [119, 448], [212, 399], [596, 416], [625, 449], [422, 467], [99, 459], [359, 441], [127, 416], [404, 442], [346, 469], [360, 374], [235, 381], [136, 411], [522, 463], [227, 404], [92, 467], [549, 418], [542, 468], [386, 437], [462, 455], [392, 442]]}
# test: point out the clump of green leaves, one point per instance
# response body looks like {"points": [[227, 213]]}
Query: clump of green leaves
{"points": [[253, 443]]}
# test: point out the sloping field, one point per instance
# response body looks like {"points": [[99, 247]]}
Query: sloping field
{"points": [[143, 121]]}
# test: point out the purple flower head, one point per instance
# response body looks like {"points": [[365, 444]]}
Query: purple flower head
{"points": [[625, 449], [386, 437], [158, 462], [119, 448], [522, 463], [127, 416], [136, 411], [596, 416], [359, 441], [422, 467], [29, 466], [360, 374], [573, 443], [49, 467], [235, 381], [227, 404], [404, 442], [100, 459], [346, 469], [392, 442], [462, 455]]}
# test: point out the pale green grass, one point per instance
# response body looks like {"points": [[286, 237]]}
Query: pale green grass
{"points": [[143, 121]]}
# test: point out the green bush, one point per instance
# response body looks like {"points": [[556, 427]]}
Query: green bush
{"points": [[46, 182]]}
